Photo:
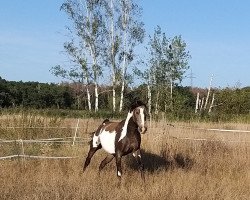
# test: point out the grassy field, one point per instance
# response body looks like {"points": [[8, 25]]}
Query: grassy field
{"points": [[174, 168]]}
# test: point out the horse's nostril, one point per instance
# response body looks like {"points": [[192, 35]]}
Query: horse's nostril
{"points": [[142, 130]]}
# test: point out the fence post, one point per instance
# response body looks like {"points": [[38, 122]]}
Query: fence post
{"points": [[74, 139], [22, 149]]}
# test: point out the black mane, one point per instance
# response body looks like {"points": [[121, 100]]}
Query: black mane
{"points": [[136, 104]]}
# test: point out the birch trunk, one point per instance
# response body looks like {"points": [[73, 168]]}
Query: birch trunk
{"points": [[95, 77], [92, 49], [123, 85], [156, 103], [149, 99], [212, 104], [87, 89], [149, 103], [197, 102], [88, 97], [124, 60], [202, 103], [113, 53], [96, 97], [171, 94], [208, 92]]}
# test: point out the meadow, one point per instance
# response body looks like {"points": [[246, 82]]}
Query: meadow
{"points": [[176, 165]]}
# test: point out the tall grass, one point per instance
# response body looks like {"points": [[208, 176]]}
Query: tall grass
{"points": [[174, 168]]}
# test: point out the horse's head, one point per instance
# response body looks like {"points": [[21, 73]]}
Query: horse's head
{"points": [[139, 110]]}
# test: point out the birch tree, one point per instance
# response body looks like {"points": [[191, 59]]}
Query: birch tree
{"points": [[132, 34], [123, 32], [80, 73], [112, 35], [87, 27], [168, 61]]}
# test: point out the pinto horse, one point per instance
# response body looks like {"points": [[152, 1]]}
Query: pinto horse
{"points": [[120, 138]]}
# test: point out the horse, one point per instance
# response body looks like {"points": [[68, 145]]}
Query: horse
{"points": [[120, 138]]}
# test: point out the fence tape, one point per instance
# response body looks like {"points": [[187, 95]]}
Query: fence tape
{"points": [[205, 129], [171, 125], [42, 141], [38, 157], [209, 140], [44, 127], [8, 157]]}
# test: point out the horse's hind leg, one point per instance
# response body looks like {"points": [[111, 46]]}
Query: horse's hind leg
{"points": [[118, 159], [107, 160], [137, 155], [91, 152]]}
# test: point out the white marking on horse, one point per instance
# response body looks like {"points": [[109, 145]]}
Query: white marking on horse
{"points": [[96, 141], [119, 173], [142, 116], [108, 141], [135, 155], [125, 127]]}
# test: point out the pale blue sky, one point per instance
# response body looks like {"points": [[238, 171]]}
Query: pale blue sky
{"points": [[217, 33]]}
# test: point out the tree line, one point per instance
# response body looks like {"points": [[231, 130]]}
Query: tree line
{"points": [[228, 101]]}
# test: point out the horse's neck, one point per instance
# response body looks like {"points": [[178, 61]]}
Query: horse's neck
{"points": [[132, 124]]}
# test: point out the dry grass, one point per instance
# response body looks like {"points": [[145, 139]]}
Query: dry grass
{"points": [[175, 169]]}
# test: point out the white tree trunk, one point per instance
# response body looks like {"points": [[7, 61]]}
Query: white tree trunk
{"points": [[91, 47], [124, 66], [96, 97], [202, 103], [88, 97], [149, 103], [156, 103], [112, 42], [114, 99], [212, 104], [208, 92], [122, 93], [149, 99], [197, 102], [171, 93]]}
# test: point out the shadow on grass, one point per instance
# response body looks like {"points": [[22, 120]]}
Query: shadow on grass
{"points": [[153, 162]]}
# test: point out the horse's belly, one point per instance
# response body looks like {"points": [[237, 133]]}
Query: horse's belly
{"points": [[107, 140]]}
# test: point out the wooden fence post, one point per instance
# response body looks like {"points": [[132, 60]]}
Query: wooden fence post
{"points": [[74, 139]]}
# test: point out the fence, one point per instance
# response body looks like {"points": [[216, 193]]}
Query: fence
{"points": [[75, 139]]}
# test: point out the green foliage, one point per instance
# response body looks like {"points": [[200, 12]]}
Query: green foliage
{"points": [[34, 95], [183, 102], [233, 101], [168, 58], [231, 104]]}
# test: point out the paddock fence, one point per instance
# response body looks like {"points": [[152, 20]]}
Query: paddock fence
{"points": [[77, 140]]}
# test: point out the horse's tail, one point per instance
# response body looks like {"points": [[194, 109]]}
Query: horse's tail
{"points": [[105, 121], [91, 137]]}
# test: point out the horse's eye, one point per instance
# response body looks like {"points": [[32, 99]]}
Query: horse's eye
{"points": [[137, 112]]}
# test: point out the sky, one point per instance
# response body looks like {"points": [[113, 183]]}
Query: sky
{"points": [[32, 34]]}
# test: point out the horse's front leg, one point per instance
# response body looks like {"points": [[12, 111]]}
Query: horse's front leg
{"points": [[137, 155]]}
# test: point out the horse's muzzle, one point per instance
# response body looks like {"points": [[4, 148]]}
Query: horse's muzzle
{"points": [[143, 130]]}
